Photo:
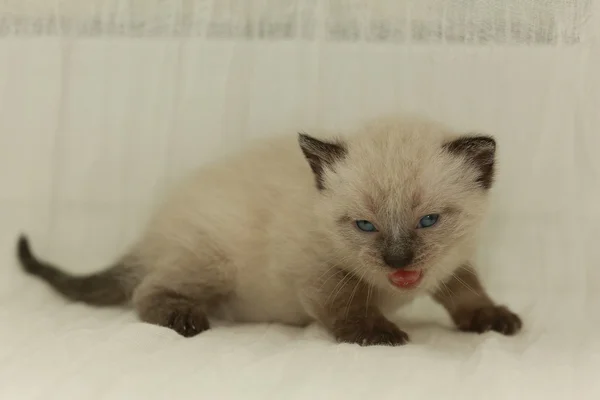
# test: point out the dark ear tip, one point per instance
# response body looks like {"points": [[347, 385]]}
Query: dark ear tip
{"points": [[480, 151], [482, 139], [488, 139], [303, 138], [487, 142], [473, 143]]}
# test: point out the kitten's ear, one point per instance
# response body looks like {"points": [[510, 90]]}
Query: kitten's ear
{"points": [[478, 150], [320, 155]]}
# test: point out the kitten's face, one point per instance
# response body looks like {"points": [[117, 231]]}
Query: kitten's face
{"points": [[403, 202]]}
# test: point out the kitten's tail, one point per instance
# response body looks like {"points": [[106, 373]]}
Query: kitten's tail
{"points": [[110, 287]]}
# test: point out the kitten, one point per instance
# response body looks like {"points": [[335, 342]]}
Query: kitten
{"points": [[341, 231]]}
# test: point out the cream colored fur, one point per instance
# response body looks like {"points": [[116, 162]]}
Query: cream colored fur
{"points": [[253, 233]]}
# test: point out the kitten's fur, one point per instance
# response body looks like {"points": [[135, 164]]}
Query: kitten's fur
{"points": [[265, 236]]}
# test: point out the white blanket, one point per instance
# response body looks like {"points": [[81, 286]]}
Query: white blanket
{"points": [[97, 117]]}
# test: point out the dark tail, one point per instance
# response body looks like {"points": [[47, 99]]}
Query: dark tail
{"points": [[110, 287]]}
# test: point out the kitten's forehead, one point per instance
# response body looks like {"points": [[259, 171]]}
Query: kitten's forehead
{"points": [[401, 145], [397, 166], [400, 152]]}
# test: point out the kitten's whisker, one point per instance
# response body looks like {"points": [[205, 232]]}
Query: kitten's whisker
{"points": [[465, 284], [450, 292], [341, 284], [358, 283], [367, 305], [468, 269]]}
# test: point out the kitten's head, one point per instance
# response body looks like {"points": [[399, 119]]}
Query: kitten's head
{"points": [[402, 199]]}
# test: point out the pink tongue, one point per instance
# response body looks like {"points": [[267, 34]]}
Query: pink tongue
{"points": [[405, 278]]}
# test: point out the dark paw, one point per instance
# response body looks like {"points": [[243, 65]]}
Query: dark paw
{"points": [[493, 318], [371, 332], [187, 321]]}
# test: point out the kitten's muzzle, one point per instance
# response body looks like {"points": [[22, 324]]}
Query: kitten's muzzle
{"points": [[399, 260]]}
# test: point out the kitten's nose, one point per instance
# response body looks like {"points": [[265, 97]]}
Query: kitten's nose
{"points": [[399, 260]]}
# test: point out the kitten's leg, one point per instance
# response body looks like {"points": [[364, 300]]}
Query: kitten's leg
{"points": [[346, 306], [178, 300], [471, 308]]}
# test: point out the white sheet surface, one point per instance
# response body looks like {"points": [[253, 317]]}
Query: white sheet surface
{"points": [[92, 128]]}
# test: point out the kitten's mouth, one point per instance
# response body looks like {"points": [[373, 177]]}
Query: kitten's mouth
{"points": [[406, 279]]}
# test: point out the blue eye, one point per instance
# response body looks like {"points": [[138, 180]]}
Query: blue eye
{"points": [[365, 226], [428, 220]]}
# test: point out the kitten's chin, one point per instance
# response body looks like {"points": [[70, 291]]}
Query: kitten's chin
{"points": [[406, 279]]}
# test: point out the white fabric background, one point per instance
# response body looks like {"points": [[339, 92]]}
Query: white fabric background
{"points": [[104, 102]]}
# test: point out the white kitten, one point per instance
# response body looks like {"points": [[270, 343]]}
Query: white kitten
{"points": [[372, 220]]}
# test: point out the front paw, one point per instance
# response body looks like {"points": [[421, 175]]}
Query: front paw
{"points": [[370, 332], [491, 318]]}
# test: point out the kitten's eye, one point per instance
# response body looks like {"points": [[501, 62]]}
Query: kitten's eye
{"points": [[365, 226], [428, 220]]}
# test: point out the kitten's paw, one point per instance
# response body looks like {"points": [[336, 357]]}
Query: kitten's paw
{"points": [[492, 318], [172, 310], [187, 321], [371, 332]]}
